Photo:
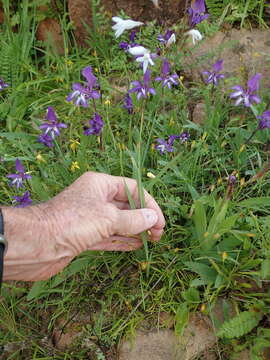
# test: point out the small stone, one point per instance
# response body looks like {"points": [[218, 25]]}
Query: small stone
{"points": [[49, 30], [197, 339], [198, 115]]}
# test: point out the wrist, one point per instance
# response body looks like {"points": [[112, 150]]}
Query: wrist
{"points": [[26, 230]]}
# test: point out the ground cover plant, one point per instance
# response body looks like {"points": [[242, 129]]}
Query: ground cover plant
{"points": [[123, 107]]}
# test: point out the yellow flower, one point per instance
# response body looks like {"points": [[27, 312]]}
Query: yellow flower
{"points": [[107, 102], [74, 144], [242, 148], [150, 175], [204, 136], [212, 187], [40, 158], [242, 181], [224, 256], [203, 308], [172, 122], [59, 79], [74, 166], [69, 62]]}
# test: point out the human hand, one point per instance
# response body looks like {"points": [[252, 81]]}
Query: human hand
{"points": [[91, 214]]}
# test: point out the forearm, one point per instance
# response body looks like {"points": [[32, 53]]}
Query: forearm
{"points": [[24, 229]]}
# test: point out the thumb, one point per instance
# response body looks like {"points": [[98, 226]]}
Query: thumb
{"points": [[135, 221]]}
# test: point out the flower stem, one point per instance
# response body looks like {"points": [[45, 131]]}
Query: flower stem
{"points": [[251, 136]]}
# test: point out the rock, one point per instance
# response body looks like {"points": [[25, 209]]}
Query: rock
{"points": [[198, 338], [161, 345], [198, 114], [49, 30], [80, 12], [244, 52], [166, 320], [243, 355]]}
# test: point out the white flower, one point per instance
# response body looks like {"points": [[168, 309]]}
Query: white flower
{"points": [[171, 40], [138, 50], [145, 59], [122, 25], [195, 34]]}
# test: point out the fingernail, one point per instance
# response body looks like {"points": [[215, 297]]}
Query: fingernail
{"points": [[150, 216]]}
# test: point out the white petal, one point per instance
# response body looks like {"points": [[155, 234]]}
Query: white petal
{"points": [[171, 40], [119, 31], [138, 50], [140, 59], [122, 25], [195, 34], [117, 19], [151, 62], [145, 66]]}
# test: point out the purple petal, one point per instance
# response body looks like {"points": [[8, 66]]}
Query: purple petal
{"points": [[218, 66], [147, 76], [51, 116], [165, 67], [88, 74], [95, 94], [254, 82], [19, 166], [199, 6], [255, 98]]}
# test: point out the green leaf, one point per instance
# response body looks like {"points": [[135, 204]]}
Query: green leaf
{"points": [[181, 319], [265, 269], [200, 219], [75, 267], [206, 273], [227, 224], [191, 295], [37, 289], [240, 325], [254, 202]]}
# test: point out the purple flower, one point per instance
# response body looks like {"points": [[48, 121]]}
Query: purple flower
{"points": [[142, 88], [81, 95], [126, 46], [52, 127], [163, 146], [212, 76], [264, 123], [132, 36], [166, 78], [197, 13], [96, 125], [128, 103], [232, 179], [247, 97], [168, 38], [184, 136], [19, 177], [3, 85], [46, 140], [24, 200]]}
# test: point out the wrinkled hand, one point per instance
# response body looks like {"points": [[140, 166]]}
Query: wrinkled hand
{"points": [[91, 214]]}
